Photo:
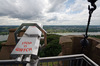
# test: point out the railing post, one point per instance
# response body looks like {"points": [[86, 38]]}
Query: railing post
{"points": [[34, 63]]}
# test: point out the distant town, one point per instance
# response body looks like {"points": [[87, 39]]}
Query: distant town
{"points": [[4, 30]]}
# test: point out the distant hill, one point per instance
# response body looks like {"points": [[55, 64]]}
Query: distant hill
{"points": [[70, 28], [5, 29], [56, 28]]}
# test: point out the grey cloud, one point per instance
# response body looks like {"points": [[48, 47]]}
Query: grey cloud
{"points": [[52, 19], [22, 9], [56, 5]]}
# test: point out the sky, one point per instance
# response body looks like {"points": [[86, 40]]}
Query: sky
{"points": [[47, 12]]}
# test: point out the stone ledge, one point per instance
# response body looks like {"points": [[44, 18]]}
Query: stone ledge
{"points": [[64, 40]]}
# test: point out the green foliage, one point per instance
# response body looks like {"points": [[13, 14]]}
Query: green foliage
{"points": [[3, 33], [95, 36], [70, 28], [53, 48], [52, 37], [56, 28], [4, 30]]}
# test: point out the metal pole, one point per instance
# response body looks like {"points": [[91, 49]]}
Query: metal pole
{"points": [[84, 41], [90, 14]]}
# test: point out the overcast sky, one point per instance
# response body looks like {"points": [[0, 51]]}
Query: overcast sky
{"points": [[47, 12]]}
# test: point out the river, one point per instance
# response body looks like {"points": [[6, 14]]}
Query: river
{"points": [[78, 33], [4, 37]]}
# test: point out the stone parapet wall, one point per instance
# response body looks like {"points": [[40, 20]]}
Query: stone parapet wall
{"points": [[71, 45], [8, 46], [66, 44]]}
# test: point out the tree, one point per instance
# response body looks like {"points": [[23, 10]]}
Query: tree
{"points": [[53, 47]]}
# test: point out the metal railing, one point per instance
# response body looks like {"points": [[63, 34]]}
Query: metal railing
{"points": [[68, 60], [11, 63]]}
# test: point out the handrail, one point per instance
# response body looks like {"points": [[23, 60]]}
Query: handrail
{"points": [[68, 57], [79, 57]]}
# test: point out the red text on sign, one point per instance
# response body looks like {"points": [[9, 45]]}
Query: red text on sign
{"points": [[23, 49], [26, 42], [25, 45]]}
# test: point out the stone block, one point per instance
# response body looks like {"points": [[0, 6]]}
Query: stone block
{"points": [[66, 44], [5, 52]]}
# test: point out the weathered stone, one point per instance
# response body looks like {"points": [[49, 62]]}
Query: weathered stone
{"points": [[71, 45], [64, 40], [66, 44], [8, 46]]}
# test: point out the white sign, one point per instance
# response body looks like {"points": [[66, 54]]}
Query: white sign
{"points": [[29, 43]]}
